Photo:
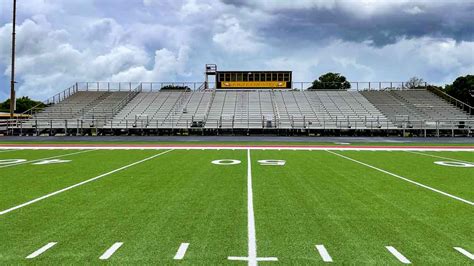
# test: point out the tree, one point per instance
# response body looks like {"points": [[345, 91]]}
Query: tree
{"points": [[462, 88], [415, 83], [22, 104], [331, 81], [175, 87]]}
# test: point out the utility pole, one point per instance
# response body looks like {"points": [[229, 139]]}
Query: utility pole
{"points": [[12, 82]]}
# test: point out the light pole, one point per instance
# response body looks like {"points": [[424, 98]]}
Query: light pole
{"points": [[12, 82]]}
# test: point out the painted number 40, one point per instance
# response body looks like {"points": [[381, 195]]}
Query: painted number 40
{"points": [[42, 162]]}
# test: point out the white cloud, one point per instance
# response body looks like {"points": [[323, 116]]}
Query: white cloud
{"points": [[166, 67], [104, 32], [438, 61], [234, 38], [298, 4], [192, 7], [48, 61], [414, 10]]}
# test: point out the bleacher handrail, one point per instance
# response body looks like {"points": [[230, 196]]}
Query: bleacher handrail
{"points": [[464, 106], [127, 99]]}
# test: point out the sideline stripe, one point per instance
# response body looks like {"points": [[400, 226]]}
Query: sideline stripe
{"points": [[181, 251], [405, 179], [398, 255], [107, 254], [252, 246], [324, 253], [465, 252], [37, 160], [440, 157], [41, 250], [210, 147], [80, 184]]}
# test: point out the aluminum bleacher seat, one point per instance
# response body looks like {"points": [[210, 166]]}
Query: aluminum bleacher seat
{"points": [[413, 107]]}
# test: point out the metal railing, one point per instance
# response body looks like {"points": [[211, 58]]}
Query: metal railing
{"points": [[119, 106], [236, 123], [462, 105]]}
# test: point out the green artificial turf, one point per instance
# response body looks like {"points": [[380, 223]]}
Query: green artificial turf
{"points": [[181, 197]]}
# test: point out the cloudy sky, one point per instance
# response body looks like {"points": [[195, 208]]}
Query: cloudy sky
{"points": [[60, 42]]}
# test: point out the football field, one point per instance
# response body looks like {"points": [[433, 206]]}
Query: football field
{"points": [[236, 206]]}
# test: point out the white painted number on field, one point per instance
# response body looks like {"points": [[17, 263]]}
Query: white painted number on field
{"points": [[11, 161], [51, 161], [272, 162], [17, 161], [226, 162], [454, 164]]}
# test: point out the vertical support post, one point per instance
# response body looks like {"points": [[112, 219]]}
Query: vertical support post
{"points": [[12, 81], [437, 129]]}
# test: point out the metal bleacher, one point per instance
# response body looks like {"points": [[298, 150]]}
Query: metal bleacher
{"points": [[416, 106], [73, 107], [249, 109]]}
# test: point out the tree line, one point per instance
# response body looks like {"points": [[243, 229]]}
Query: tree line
{"points": [[22, 104]]}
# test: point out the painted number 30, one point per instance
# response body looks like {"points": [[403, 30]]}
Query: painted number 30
{"points": [[261, 162]]}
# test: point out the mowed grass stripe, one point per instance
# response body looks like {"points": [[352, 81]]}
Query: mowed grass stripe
{"points": [[457, 181], [24, 183], [151, 208], [321, 198]]}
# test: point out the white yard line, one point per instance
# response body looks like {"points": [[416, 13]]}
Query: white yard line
{"points": [[398, 255], [252, 238], [107, 254], [246, 258], [41, 250], [465, 252], [323, 253], [439, 157], [48, 158], [80, 184], [405, 179], [181, 251]]}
